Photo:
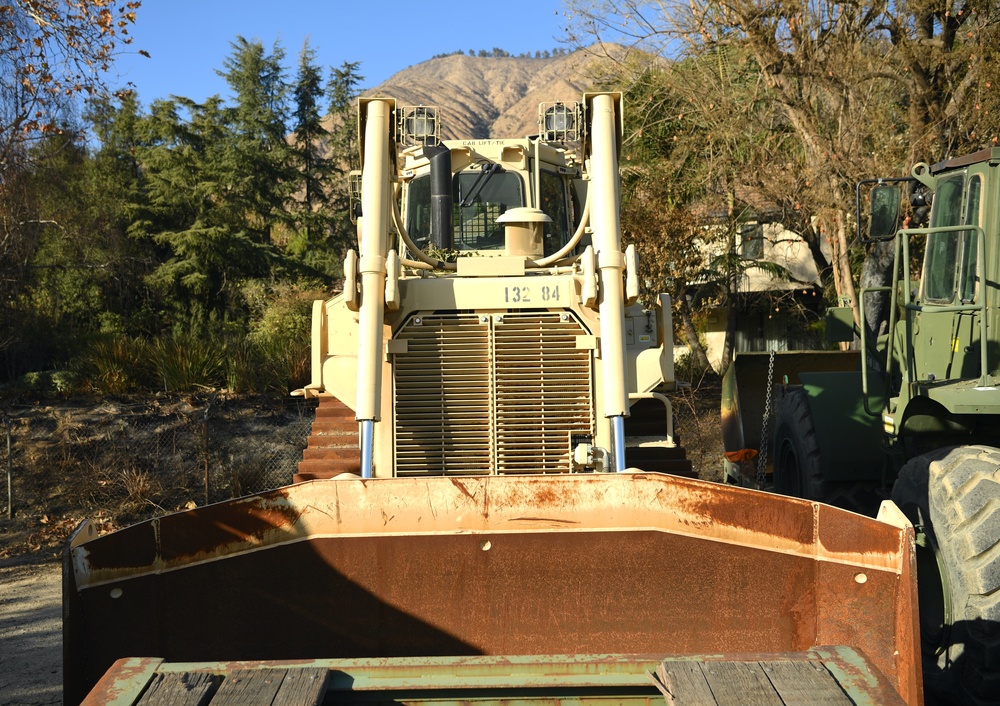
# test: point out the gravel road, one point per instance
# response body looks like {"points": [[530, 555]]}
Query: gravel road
{"points": [[30, 634]]}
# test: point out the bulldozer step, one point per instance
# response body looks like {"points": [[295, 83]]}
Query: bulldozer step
{"points": [[658, 458], [332, 408], [332, 447], [322, 469], [321, 453], [320, 441], [338, 427]]}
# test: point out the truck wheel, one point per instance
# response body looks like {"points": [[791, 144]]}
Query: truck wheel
{"points": [[952, 497], [797, 470]]}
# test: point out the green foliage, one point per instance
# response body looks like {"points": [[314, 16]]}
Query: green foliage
{"points": [[61, 382], [185, 362], [207, 209], [118, 364], [267, 366], [280, 331], [286, 363], [280, 312], [136, 259], [319, 228]]}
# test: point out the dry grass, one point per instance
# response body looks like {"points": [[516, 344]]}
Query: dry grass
{"points": [[88, 459], [697, 420]]}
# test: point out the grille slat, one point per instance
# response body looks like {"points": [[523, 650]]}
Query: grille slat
{"points": [[461, 410]]}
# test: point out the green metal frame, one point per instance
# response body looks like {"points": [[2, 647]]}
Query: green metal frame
{"points": [[902, 262]]}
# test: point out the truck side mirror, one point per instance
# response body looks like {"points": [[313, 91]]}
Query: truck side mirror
{"points": [[884, 212]]}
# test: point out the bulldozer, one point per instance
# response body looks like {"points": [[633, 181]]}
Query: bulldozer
{"points": [[918, 400], [493, 505]]}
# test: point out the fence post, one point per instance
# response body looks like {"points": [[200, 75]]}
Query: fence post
{"points": [[10, 471], [205, 447]]}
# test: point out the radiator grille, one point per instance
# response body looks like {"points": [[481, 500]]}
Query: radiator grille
{"points": [[490, 394]]}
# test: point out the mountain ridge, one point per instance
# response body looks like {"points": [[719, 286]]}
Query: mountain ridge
{"points": [[483, 97]]}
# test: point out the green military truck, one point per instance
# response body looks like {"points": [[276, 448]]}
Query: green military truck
{"points": [[913, 412]]}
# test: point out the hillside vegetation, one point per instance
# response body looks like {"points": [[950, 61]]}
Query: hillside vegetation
{"points": [[179, 246]]}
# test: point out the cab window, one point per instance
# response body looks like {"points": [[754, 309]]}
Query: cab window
{"points": [[968, 273], [950, 262], [554, 204], [479, 198]]}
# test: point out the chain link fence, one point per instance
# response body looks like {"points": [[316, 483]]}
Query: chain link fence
{"points": [[134, 459], [128, 461]]}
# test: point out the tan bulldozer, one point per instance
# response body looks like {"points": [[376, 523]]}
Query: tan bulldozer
{"points": [[493, 506]]}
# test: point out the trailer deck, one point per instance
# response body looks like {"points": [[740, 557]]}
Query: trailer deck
{"points": [[836, 676]]}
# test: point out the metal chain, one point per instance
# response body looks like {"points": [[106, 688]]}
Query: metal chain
{"points": [[762, 456]]}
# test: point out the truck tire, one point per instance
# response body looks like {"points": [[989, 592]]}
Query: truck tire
{"points": [[952, 497], [797, 470]]}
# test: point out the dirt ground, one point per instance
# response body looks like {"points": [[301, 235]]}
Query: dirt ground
{"points": [[30, 632]]}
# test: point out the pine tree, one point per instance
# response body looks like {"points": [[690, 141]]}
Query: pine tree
{"points": [[343, 90], [117, 185], [312, 220], [257, 154]]}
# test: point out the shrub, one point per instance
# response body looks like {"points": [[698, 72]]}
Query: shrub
{"points": [[186, 362], [117, 364]]}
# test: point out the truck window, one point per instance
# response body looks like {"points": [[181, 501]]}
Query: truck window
{"points": [[941, 259], [418, 209], [476, 226], [968, 275]]}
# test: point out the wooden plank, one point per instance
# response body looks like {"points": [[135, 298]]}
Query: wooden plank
{"points": [[802, 683], [683, 683], [304, 686], [179, 689], [740, 684], [249, 687]]}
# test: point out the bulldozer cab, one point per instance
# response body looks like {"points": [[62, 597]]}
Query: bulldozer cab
{"points": [[487, 187], [482, 180]]}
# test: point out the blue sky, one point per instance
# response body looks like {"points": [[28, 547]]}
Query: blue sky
{"points": [[188, 40]]}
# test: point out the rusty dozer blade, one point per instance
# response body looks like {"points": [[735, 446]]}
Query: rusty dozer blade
{"points": [[495, 565]]}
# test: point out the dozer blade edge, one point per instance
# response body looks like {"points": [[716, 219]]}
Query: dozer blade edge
{"points": [[629, 563]]}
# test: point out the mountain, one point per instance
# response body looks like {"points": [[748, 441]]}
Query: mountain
{"points": [[482, 97]]}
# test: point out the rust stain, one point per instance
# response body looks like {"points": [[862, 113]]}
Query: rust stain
{"points": [[461, 486], [122, 679], [546, 520], [844, 532], [546, 496]]}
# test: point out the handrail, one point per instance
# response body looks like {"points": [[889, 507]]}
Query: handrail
{"points": [[980, 307], [902, 261], [669, 409]]}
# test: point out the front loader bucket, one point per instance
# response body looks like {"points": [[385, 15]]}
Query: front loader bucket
{"points": [[497, 565]]}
